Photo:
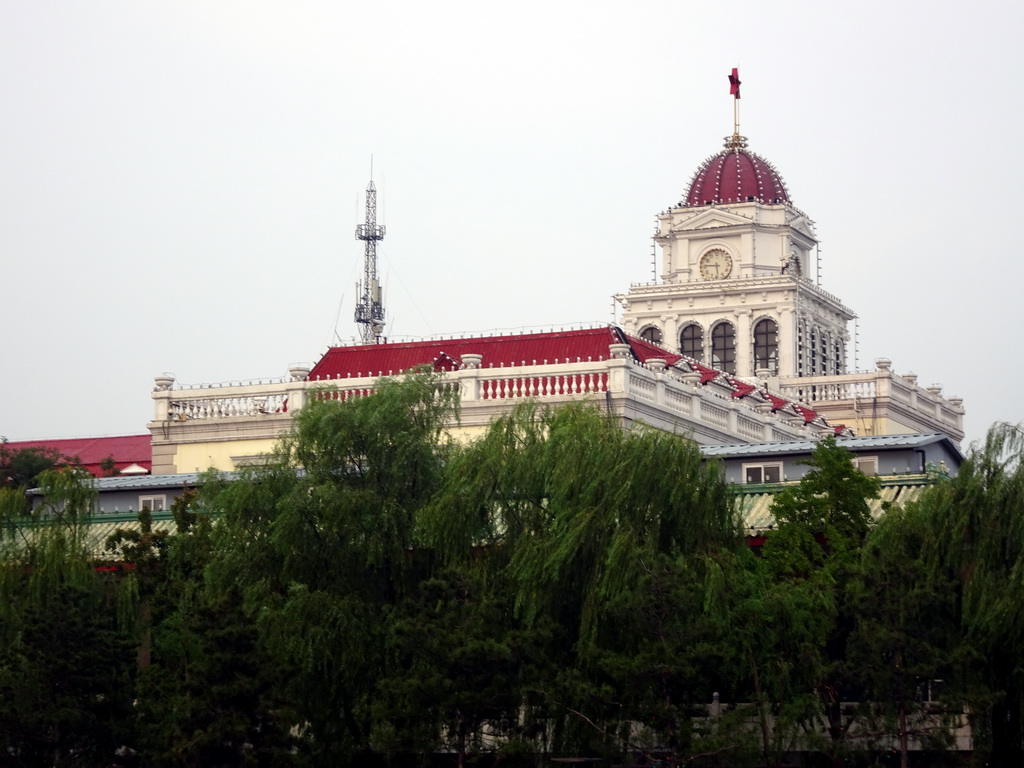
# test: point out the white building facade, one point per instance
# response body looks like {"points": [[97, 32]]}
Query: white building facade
{"points": [[739, 292]]}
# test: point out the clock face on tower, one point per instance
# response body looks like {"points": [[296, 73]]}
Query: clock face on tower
{"points": [[716, 264]]}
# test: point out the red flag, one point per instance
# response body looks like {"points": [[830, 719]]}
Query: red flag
{"points": [[734, 83]]}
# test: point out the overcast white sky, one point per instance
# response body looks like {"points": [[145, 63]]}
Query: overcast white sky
{"points": [[180, 181]]}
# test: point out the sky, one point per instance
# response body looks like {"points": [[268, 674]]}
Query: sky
{"points": [[180, 181]]}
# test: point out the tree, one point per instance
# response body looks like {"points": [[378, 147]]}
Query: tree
{"points": [[802, 584], [21, 468], [65, 665], [976, 542], [579, 517], [904, 637], [457, 670], [319, 542]]}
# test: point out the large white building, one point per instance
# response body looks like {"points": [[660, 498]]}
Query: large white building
{"points": [[736, 343]]}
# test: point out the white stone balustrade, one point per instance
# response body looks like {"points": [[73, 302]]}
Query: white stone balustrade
{"points": [[660, 396], [922, 409]]}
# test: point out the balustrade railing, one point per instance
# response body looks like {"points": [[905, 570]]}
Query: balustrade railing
{"points": [[660, 387]]}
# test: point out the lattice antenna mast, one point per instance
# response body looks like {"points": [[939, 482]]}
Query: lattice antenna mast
{"points": [[370, 307]]}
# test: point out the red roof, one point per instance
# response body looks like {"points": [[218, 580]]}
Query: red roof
{"points": [[497, 351], [373, 360], [91, 451], [736, 176], [806, 412], [742, 388], [645, 350]]}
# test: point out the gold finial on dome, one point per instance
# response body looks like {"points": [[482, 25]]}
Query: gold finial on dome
{"points": [[735, 142]]}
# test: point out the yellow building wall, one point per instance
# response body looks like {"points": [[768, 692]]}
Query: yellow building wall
{"points": [[199, 457], [878, 426]]}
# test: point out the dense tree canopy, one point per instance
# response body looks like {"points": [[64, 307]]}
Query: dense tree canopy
{"points": [[376, 594]]}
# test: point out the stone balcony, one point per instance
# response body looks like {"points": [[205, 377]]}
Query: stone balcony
{"points": [[878, 402], [246, 418]]}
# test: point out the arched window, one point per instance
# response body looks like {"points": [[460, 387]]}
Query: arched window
{"points": [[691, 342], [651, 333], [723, 347], [766, 346], [826, 358], [840, 357]]}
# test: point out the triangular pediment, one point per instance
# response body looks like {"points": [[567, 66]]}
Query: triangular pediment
{"points": [[803, 224], [711, 219]]}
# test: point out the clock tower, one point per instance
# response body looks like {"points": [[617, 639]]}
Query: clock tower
{"points": [[738, 288]]}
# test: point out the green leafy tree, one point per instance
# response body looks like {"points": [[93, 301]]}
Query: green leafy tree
{"points": [[320, 541], [458, 667], [575, 514], [65, 665], [802, 585], [904, 638], [976, 541], [21, 468]]}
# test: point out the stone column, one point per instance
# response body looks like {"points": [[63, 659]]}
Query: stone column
{"points": [[787, 342], [744, 344]]}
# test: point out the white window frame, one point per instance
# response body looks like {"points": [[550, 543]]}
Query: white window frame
{"points": [[866, 464], [157, 502], [762, 466]]}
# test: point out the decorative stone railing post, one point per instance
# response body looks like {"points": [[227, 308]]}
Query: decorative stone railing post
{"points": [[619, 351], [692, 378], [656, 364], [883, 379], [162, 396], [296, 388], [472, 364], [619, 357], [935, 390]]}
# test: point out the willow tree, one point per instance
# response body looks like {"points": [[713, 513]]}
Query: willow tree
{"points": [[795, 657], [65, 666], [977, 542], [320, 540], [580, 518], [904, 637]]}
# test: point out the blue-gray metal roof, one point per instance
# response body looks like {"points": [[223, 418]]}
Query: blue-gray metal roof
{"points": [[860, 443], [148, 482]]}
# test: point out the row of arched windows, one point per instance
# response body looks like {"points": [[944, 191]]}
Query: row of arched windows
{"points": [[820, 352], [720, 353]]}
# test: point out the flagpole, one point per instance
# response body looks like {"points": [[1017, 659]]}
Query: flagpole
{"points": [[734, 91]]}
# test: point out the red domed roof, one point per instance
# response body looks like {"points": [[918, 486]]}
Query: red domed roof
{"points": [[736, 175]]}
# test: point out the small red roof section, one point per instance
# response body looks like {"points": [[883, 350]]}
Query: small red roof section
{"points": [[706, 374], [126, 451], [644, 350], [736, 175], [742, 388], [806, 412], [497, 351]]}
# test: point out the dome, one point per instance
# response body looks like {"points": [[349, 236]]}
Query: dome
{"points": [[736, 175]]}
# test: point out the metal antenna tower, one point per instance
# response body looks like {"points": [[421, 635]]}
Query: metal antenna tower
{"points": [[370, 307]]}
